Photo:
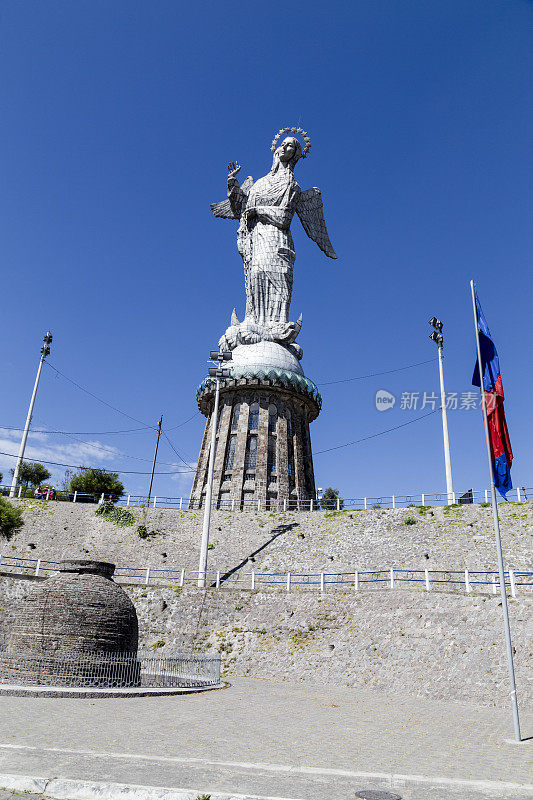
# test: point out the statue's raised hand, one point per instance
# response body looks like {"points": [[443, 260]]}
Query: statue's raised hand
{"points": [[233, 169]]}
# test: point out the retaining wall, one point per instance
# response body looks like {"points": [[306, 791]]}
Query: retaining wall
{"points": [[440, 644], [447, 646]]}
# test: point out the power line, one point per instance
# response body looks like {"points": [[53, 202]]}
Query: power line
{"points": [[96, 445], [374, 435], [105, 403], [176, 452], [173, 428], [375, 374], [80, 433], [114, 452], [100, 469]]}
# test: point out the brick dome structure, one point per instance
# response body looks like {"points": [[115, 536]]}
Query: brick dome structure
{"points": [[78, 626], [80, 609]]}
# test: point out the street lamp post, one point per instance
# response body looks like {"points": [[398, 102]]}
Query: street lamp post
{"points": [[45, 350], [438, 338], [214, 372]]}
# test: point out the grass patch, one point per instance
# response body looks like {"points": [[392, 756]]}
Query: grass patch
{"points": [[118, 516], [410, 521], [450, 507]]}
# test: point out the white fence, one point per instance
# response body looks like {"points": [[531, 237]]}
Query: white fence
{"points": [[390, 578], [520, 495]]}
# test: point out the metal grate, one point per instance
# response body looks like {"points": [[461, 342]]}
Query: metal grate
{"points": [[109, 669]]}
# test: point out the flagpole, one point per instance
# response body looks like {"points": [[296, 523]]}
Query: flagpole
{"points": [[507, 629]]}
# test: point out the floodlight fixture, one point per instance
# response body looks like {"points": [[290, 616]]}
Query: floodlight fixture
{"points": [[45, 349], [437, 337], [220, 355]]}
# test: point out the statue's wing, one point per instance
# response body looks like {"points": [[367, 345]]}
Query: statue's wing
{"points": [[223, 209], [311, 213], [232, 209], [247, 185]]}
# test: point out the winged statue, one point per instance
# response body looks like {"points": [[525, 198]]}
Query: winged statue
{"points": [[265, 210]]}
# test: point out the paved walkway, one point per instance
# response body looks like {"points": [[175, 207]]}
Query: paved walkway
{"points": [[271, 739]]}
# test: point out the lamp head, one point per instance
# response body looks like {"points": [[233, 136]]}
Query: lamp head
{"points": [[436, 323], [436, 337]]}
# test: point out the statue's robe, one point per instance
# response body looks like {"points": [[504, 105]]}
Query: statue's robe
{"points": [[266, 246]]}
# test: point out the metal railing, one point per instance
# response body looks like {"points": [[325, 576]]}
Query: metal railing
{"points": [[105, 670], [520, 495], [390, 577]]}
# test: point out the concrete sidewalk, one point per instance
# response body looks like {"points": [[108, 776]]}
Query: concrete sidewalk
{"points": [[271, 739]]}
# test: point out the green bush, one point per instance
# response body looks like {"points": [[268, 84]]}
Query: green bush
{"points": [[142, 530], [10, 519], [119, 516], [410, 521], [485, 505]]}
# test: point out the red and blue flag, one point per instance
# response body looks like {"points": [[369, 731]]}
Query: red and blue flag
{"points": [[500, 444]]}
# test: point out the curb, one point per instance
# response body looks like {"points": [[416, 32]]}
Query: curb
{"points": [[65, 789], [91, 693], [68, 789]]}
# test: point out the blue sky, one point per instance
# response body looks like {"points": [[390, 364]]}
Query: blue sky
{"points": [[118, 120]]}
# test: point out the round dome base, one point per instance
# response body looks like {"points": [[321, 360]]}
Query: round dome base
{"points": [[265, 354]]}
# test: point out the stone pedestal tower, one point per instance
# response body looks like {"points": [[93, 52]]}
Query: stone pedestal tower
{"points": [[263, 456], [263, 452]]}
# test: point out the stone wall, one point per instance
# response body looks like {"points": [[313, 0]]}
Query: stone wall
{"points": [[442, 645], [300, 542]]}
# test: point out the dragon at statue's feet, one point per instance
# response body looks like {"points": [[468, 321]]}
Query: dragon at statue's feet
{"points": [[251, 332]]}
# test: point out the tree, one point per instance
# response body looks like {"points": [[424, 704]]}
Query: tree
{"points": [[97, 482], [66, 479], [10, 518], [1, 477], [32, 473], [330, 499]]}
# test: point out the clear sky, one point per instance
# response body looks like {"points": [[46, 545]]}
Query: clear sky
{"points": [[118, 120]]}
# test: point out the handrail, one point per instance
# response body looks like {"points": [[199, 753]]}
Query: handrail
{"points": [[219, 579], [398, 501]]}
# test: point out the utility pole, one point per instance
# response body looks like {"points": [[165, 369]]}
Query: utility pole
{"points": [[438, 338], [155, 458], [218, 373], [45, 351]]}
